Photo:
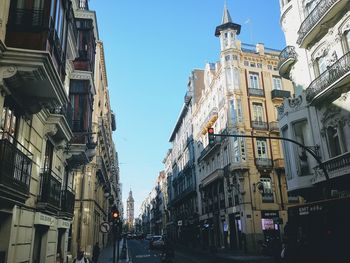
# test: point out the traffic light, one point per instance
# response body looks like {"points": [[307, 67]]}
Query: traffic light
{"points": [[115, 215], [211, 137]]}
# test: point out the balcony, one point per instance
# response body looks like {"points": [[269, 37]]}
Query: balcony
{"points": [[67, 201], [287, 59], [336, 167], [58, 124], [274, 127], [213, 176], [263, 163], [331, 83], [259, 125], [279, 94], [49, 198], [16, 169], [184, 194], [256, 92], [278, 164], [210, 120], [35, 84], [239, 166], [325, 14], [267, 198]]}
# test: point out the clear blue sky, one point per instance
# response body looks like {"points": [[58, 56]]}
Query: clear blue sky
{"points": [[150, 48]]}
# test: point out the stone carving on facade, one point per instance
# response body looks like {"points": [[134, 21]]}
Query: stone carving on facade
{"points": [[295, 102], [50, 130]]}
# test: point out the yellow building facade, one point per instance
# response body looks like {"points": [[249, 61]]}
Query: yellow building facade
{"points": [[241, 181]]}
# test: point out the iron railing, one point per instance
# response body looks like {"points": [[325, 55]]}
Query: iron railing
{"points": [[287, 53], [15, 164], [67, 201], [259, 125], [273, 126], [50, 189], [263, 162], [313, 18], [27, 18], [256, 92], [276, 93], [339, 162], [340, 68]]}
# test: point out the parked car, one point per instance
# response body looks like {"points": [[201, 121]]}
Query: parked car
{"points": [[149, 237], [156, 242]]}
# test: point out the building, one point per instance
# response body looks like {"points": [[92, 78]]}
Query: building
{"points": [[36, 178], [47, 86], [130, 211], [183, 202], [240, 183], [316, 60]]}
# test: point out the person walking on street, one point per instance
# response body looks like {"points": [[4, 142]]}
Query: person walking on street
{"points": [[95, 252], [80, 258]]}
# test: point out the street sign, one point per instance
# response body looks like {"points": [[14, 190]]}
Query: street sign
{"points": [[105, 227]]}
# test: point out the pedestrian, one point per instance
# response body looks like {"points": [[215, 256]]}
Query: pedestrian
{"points": [[95, 252], [80, 258]]}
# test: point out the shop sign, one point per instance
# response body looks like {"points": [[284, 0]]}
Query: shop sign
{"points": [[269, 214], [42, 219], [63, 223]]}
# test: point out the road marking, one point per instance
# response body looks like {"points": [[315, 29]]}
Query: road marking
{"points": [[142, 256]]}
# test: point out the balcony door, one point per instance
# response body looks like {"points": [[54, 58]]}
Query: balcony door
{"points": [[261, 146], [258, 112], [48, 156], [8, 125]]}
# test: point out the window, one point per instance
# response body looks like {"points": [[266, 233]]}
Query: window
{"points": [[239, 110], [333, 141], [246, 63], [227, 58], [48, 156], [347, 40], [269, 67], [236, 78], [277, 83], [8, 123], [254, 80], [259, 65], [252, 64], [321, 64], [262, 149], [310, 5], [301, 133], [267, 195], [229, 78], [233, 112], [258, 112]]}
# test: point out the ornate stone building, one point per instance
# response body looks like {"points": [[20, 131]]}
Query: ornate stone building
{"points": [[316, 59], [47, 89]]}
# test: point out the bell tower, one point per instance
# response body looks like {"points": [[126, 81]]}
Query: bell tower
{"points": [[227, 31]]}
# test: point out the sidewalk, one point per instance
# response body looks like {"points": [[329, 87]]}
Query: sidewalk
{"points": [[234, 255], [106, 255]]}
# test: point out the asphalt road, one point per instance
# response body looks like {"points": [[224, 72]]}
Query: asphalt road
{"points": [[139, 252]]}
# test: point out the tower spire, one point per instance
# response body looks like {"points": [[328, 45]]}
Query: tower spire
{"points": [[226, 17]]}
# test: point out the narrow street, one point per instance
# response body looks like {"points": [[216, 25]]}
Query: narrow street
{"points": [[139, 252]]}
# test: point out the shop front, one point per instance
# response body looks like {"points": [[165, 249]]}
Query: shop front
{"points": [[270, 224]]}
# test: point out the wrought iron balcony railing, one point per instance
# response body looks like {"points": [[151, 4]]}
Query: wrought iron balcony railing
{"points": [[287, 53], [276, 93], [15, 164], [338, 70], [50, 189], [256, 92], [264, 163], [313, 18], [67, 201], [259, 125], [273, 126]]}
